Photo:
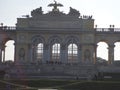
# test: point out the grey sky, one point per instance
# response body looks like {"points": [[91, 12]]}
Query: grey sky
{"points": [[105, 12]]}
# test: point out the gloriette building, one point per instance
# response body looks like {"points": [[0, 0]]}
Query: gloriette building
{"points": [[56, 44]]}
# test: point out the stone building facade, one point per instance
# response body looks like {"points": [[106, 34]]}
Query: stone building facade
{"points": [[57, 38]]}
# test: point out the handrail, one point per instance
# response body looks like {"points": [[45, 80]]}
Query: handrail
{"points": [[7, 28], [107, 29]]}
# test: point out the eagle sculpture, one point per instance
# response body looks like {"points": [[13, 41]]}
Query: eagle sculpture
{"points": [[55, 5]]}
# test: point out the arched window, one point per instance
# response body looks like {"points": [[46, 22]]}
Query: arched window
{"points": [[56, 52], [72, 53], [39, 52]]}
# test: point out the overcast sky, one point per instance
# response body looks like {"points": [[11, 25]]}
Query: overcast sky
{"points": [[105, 12]]}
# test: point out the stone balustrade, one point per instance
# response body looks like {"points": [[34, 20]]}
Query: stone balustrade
{"points": [[107, 29], [96, 29], [7, 28]]}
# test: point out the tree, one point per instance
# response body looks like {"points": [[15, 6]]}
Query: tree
{"points": [[101, 61]]}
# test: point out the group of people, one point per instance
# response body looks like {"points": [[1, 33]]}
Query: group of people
{"points": [[53, 62]]}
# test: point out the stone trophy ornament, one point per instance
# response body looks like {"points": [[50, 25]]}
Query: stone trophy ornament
{"points": [[37, 12], [73, 12]]}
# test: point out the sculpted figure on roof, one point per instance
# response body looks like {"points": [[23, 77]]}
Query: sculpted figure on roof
{"points": [[55, 5], [37, 11], [74, 12]]}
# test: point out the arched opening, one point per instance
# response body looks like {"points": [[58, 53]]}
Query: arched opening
{"points": [[117, 51], [9, 50], [102, 50], [72, 53], [56, 52], [39, 52]]}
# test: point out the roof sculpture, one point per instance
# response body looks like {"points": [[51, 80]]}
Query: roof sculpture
{"points": [[55, 5], [55, 11], [55, 18]]}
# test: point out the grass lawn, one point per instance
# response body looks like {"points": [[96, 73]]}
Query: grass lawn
{"points": [[60, 84]]}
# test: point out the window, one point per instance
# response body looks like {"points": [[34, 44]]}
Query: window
{"points": [[56, 52], [39, 51], [72, 53]]}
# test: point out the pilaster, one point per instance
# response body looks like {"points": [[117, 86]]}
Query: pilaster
{"points": [[111, 53], [63, 55], [1, 52], [95, 53], [79, 53], [46, 53], [4, 53]]}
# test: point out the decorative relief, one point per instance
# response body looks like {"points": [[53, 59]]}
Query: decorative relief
{"points": [[55, 11], [22, 54], [87, 55], [88, 38], [21, 38]]}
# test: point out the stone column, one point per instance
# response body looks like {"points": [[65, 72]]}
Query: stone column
{"points": [[79, 53], [15, 52], [4, 53], [82, 53], [46, 53], [95, 54], [0, 53], [30, 55], [63, 54], [34, 56], [111, 54]]}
